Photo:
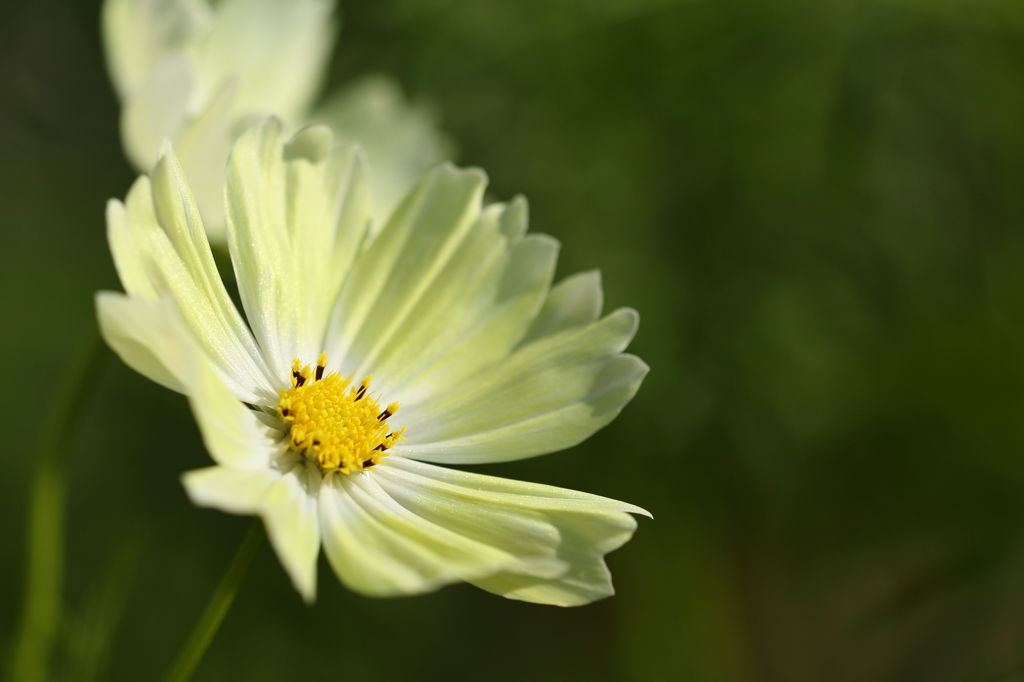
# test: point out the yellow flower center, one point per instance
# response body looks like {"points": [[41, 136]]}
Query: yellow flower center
{"points": [[336, 422]]}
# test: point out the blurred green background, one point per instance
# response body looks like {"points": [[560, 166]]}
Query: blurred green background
{"points": [[818, 210]]}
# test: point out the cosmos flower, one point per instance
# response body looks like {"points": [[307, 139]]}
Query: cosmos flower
{"points": [[363, 361], [199, 74]]}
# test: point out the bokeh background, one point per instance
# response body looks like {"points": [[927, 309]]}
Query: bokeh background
{"points": [[818, 210]]}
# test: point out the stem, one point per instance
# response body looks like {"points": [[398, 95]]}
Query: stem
{"points": [[44, 566], [218, 607]]}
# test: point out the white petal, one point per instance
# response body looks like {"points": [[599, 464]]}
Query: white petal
{"points": [[235, 491], [150, 338], [235, 435], [391, 277], [574, 302], [157, 110], [297, 215], [137, 34], [129, 255], [529, 520], [167, 235], [474, 312], [546, 396], [287, 503], [277, 49], [402, 141], [202, 147], [142, 334], [379, 548], [289, 511]]}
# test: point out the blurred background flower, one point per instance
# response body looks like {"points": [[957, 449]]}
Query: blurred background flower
{"points": [[200, 74], [816, 208]]}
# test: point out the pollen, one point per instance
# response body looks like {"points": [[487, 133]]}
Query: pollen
{"points": [[334, 421]]}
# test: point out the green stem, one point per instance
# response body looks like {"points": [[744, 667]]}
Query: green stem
{"points": [[218, 607], [44, 567]]}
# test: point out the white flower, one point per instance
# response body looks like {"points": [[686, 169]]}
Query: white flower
{"points": [[451, 310], [199, 74]]}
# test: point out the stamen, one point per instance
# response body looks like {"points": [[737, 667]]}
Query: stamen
{"points": [[339, 425], [388, 411], [321, 363]]}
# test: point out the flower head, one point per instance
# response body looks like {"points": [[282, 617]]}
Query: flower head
{"points": [[363, 360], [199, 74]]}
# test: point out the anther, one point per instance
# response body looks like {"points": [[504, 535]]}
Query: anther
{"points": [[338, 424]]}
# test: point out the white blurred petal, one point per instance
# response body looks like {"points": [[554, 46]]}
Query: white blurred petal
{"points": [[402, 141], [202, 147], [138, 34], [156, 110], [276, 49]]}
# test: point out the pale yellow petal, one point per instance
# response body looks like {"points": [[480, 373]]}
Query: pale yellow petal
{"points": [[289, 511], [167, 235], [138, 34], [276, 49], [402, 140], [297, 216], [576, 301], [474, 312], [142, 334], [379, 548], [546, 396], [571, 531], [156, 110], [390, 278], [235, 491]]}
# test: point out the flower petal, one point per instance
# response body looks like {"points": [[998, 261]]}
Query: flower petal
{"points": [[140, 332], [150, 338], [527, 520], [297, 216], [401, 140], [546, 396], [234, 434], [289, 511], [379, 548], [165, 234], [574, 302], [137, 34], [202, 147], [157, 110], [287, 503], [391, 277], [124, 242], [474, 312], [276, 48], [235, 491]]}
